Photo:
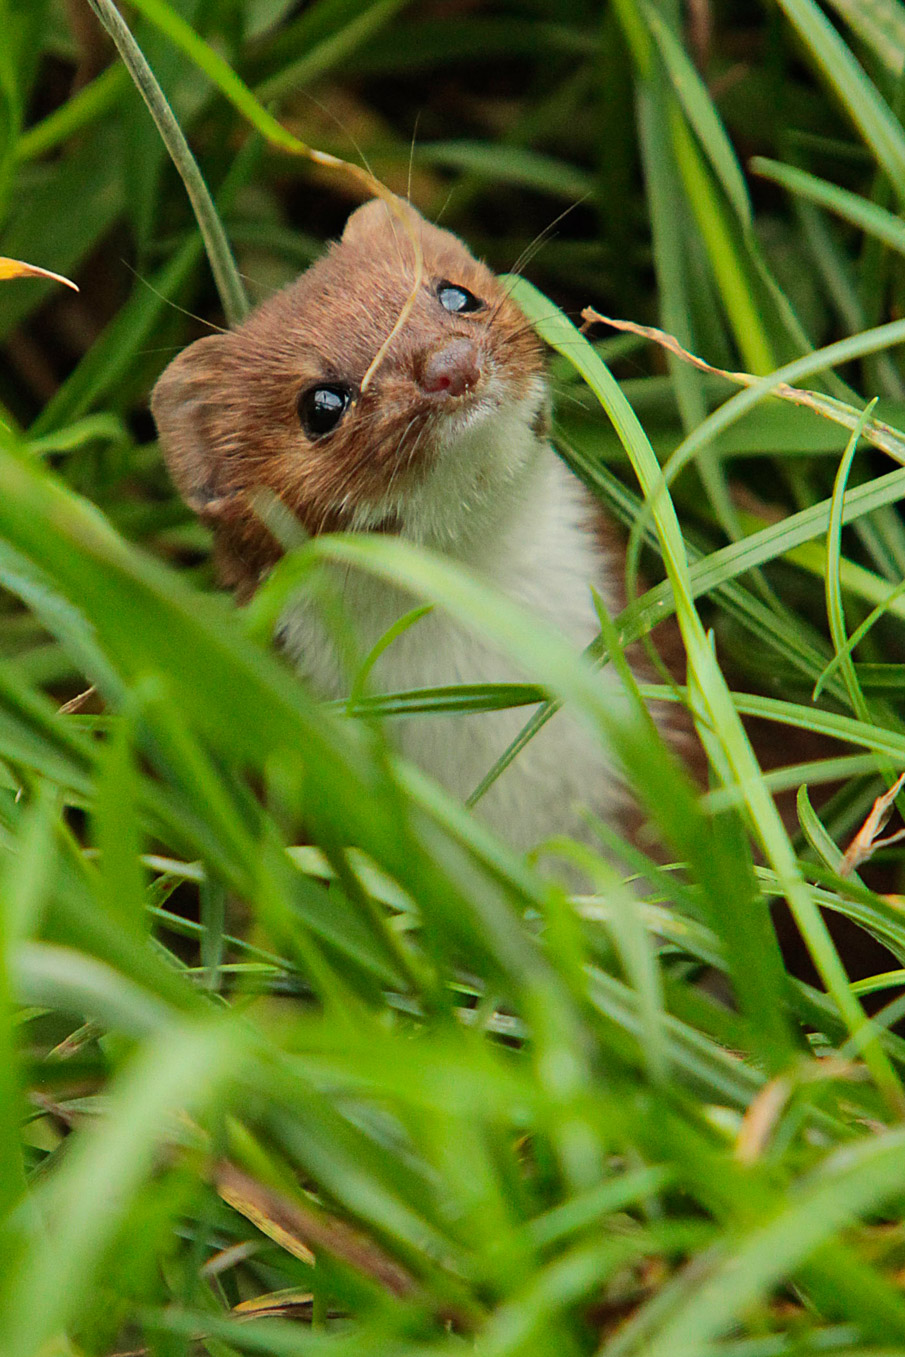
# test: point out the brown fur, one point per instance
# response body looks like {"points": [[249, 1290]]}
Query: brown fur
{"points": [[226, 407]]}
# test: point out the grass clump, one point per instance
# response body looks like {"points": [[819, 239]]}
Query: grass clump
{"points": [[383, 1086]]}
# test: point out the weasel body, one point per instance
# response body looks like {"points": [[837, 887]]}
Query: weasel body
{"points": [[447, 446]]}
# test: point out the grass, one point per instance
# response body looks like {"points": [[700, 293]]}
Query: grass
{"points": [[382, 1087]]}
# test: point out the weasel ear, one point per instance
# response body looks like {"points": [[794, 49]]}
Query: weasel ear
{"points": [[372, 224], [374, 219], [186, 396]]}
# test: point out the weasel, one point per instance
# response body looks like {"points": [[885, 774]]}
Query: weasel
{"points": [[448, 446]]}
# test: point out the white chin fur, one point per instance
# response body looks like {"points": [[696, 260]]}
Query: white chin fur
{"points": [[477, 456]]}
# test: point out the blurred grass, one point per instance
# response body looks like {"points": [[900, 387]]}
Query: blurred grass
{"points": [[498, 1116]]}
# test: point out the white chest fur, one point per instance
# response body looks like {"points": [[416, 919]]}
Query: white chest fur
{"points": [[524, 526]]}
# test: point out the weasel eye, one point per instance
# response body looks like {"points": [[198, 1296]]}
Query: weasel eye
{"points": [[321, 407], [456, 299]]}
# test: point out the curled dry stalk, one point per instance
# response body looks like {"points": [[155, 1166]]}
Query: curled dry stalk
{"points": [[883, 436], [219, 252], [867, 841]]}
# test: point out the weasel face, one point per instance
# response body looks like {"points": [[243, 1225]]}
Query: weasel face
{"points": [[451, 414]]}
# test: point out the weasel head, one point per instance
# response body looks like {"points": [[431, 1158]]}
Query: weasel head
{"points": [[447, 423]]}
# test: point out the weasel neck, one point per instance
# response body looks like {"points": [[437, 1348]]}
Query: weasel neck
{"points": [[536, 539], [539, 547]]}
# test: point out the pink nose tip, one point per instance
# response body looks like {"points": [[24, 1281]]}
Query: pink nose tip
{"points": [[452, 370]]}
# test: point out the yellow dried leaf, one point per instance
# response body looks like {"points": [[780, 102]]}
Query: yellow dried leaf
{"points": [[15, 268]]}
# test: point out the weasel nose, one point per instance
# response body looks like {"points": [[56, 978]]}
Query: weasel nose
{"points": [[452, 370]]}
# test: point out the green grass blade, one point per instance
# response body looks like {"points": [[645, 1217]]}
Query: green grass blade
{"points": [[24, 880], [815, 833], [96, 99], [116, 831], [219, 253], [866, 108], [182, 1066], [851, 207], [329, 36], [511, 165], [880, 24], [893, 598], [859, 1179], [834, 605], [698, 107]]}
